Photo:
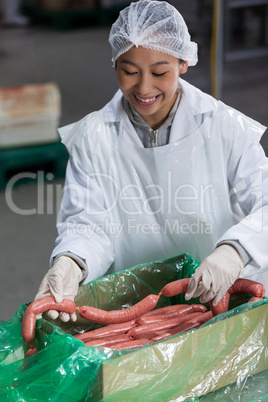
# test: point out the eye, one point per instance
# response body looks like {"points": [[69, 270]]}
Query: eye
{"points": [[159, 75], [128, 73]]}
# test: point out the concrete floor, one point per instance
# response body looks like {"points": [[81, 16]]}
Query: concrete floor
{"points": [[79, 62]]}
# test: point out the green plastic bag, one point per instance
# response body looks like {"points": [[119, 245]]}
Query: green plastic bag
{"points": [[64, 369]]}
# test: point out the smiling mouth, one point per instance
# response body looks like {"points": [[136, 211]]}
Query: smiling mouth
{"points": [[146, 101]]}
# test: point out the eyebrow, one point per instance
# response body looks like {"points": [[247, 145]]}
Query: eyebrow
{"points": [[159, 63]]}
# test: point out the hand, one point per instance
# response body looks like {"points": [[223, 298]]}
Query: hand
{"points": [[215, 275], [62, 282]]}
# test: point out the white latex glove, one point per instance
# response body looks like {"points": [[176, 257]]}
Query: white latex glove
{"points": [[215, 275], [62, 282]]}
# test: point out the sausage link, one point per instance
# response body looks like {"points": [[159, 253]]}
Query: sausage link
{"points": [[40, 306], [175, 288], [150, 335], [222, 306], [132, 344], [199, 308], [157, 318], [194, 322], [186, 326], [199, 319], [254, 299], [166, 309], [112, 329], [243, 285], [107, 341], [148, 319], [31, 351], [159, 326], [118, 316]]}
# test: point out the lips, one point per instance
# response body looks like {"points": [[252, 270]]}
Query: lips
{"points": [[146, 101]]}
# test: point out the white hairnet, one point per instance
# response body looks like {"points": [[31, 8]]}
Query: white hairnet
{"points": [[155, 25]]}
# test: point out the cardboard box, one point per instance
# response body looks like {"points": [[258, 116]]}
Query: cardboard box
{"points": [[229, 350], [29, 115], [193, 364]]}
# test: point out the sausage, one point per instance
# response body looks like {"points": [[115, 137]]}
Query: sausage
{"points": [[199, 308], [254, 299], [31, 351], [253, 288], [107, 341], [159, 326], [148, 319], [175, 288], [186, 326], [132, 344], [194, 322], [201, 319], [118, 316], [149, 336], [222, 306], [225, 301], [156, 318], [166, 309], [112, 329], [241, 285], [40, 306]]}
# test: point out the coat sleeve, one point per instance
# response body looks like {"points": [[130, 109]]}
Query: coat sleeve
{"points": [[82, 220], [247, 168]]}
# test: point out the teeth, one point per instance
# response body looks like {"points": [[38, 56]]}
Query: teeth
{"points": [[146, 100]]}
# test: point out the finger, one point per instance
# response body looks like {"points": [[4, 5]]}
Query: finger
{"points": [[56, 289], [55, 285], [53, 314], [65, 317], [73, 317], [43, 290], [205, 284], [200, 289], [193, 283], [207, 296], [219, 296], [43, 286]]}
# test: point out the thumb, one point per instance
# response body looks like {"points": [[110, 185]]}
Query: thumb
{"points": [[43, 290], [56, 289], [218, 297], [192, 286]]}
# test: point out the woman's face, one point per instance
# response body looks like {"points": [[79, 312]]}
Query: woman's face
{"points": [[149, 81]]}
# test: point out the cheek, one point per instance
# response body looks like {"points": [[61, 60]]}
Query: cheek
{"points": [[123, 83], [170, 87]]}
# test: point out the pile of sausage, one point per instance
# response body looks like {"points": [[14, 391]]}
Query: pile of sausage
{"points": [[141, 323], [150, 327]]}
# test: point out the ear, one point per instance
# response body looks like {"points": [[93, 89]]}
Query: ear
{"points": [[184, 67]]}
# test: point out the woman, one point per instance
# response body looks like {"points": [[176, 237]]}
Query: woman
{"points": [[162, 169]]}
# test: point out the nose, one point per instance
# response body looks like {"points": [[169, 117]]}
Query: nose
{"points": [[144, 84]]}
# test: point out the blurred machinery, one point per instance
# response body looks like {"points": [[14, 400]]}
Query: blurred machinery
{"points": [[223, 27], [68, 14]]}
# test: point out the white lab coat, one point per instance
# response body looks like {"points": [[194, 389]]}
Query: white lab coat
{"points": [[124, 204]]}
